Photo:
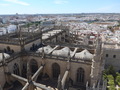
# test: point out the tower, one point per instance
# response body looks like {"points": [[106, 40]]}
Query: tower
{"points": [[96, 64], [21, 39], [40, 32]]}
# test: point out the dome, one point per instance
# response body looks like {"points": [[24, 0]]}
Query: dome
{"points": [[85, 54], [5, 55]]}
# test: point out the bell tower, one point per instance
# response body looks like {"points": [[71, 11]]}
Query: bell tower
{"points": [[96, 63]]}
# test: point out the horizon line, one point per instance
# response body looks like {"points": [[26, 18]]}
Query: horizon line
{"points": [[64, 13]]}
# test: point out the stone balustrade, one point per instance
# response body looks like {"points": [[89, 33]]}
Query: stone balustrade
{"points": [[49, 56]]}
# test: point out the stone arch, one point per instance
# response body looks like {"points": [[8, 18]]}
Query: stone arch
{"points": [[33, 66], [24, 69], [80, 77], [16, 69], [55, 70]]}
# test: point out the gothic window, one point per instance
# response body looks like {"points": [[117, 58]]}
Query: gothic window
{"points": [[55, 70], [33, 66], [62, 38], [16, 69], [106, 55], [114, 56], [80, 75], [24, 70]]}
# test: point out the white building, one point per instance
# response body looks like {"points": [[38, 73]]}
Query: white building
{"points": [[11, 28]]}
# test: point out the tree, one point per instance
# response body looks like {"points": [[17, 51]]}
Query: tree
{"points": [[111, 82], [110, 71], [118, 79], [110, 77], [118, 88], [111, 88]]}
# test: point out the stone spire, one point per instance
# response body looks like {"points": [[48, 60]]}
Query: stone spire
{"points": [[43, 56], [28, 71], [21, 39], [59, 86], [40, 32], [28, 26], [43, 53], [96, 63], [98, 46], [69, 57], [3, 57], [68, 61]]}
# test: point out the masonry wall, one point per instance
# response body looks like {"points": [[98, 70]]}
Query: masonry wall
{"points": [[112, 57], [36, 42], [2, 77], [63, 67], [16, 48], [11, 64], [8, 68]]}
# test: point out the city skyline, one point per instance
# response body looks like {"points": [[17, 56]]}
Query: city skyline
{"points": [[58, 6]]}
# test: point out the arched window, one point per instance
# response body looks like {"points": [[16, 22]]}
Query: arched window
{"points": [[107, 55], [16, 69], [80, 75], [24, 70], [114, 56], [33, 66], [55, 70]]}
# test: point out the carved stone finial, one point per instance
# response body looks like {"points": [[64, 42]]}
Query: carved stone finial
{"points": [[87, 84], [3, 57], [43, 53], [69, 57], [59, 86], [28, 71], [93, 85]]}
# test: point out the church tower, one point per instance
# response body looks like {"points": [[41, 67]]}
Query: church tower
{"points": [[96, 64]]}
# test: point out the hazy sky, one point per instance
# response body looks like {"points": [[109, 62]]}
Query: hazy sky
{"points": [[59, 6]]}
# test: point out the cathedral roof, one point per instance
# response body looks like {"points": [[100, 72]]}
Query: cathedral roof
{"points": [[64, 52], [85, 54], [47, 49], [5, 55]]}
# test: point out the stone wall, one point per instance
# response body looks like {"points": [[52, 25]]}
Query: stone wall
{"points": [[2, 77], [16, 48], [11, 64], [112, 57], [9, 68], [36, 42], [63, 67]]}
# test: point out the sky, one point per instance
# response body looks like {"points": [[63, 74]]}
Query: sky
{"points": [[58, 6]]}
